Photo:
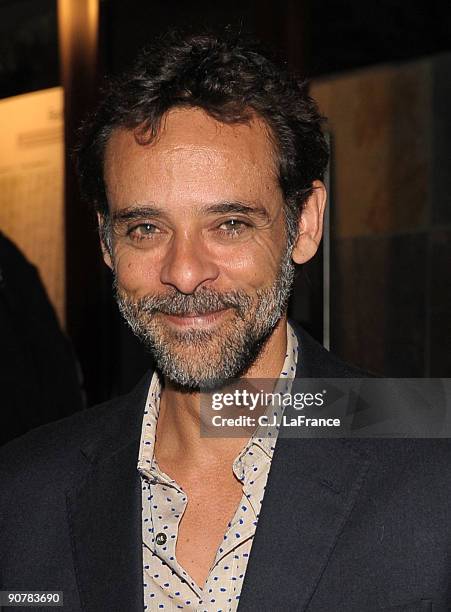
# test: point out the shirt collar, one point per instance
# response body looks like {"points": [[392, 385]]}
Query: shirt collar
{"points": [[265, 437]]}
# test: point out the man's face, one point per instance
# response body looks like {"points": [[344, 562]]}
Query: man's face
{"points": [[198, 243]]}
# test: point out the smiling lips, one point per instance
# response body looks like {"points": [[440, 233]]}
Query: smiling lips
{"points": [[196, 320]]}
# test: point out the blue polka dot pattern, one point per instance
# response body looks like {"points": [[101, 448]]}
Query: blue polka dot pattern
{"points": [[166, 583]]}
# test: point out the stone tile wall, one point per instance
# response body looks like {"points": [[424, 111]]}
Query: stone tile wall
{"points": [[391, 216]]}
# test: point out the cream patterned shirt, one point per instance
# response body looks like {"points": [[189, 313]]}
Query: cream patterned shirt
{"points": [[167, 586]]}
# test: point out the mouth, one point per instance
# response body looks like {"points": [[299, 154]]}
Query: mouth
{"points": [[196, 320]]}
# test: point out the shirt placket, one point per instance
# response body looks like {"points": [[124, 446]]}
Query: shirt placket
{"points": [[167, 505], [242, 525]]}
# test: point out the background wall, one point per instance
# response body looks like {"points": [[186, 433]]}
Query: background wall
{"points": [[32, 181], [391, 216]]}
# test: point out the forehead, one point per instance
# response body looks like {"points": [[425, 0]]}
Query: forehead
{"points": [[192, 151]]}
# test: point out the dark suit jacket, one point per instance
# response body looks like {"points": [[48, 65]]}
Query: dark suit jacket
{"points": [[346, 525]]}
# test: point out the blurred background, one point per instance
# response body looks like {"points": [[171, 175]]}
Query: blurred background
{"points": [[378, 294]]}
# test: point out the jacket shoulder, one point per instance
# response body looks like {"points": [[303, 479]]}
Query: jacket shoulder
{"points": [[52, 445], [315, 361], [55, 455]]}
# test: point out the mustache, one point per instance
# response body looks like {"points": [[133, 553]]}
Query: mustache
{"points": [[201, 302]]}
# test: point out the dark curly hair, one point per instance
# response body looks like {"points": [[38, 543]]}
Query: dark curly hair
{"points": [[230, 79]]}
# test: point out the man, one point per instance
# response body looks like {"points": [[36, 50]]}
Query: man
{"points": [[29, 331], [205, 164]]}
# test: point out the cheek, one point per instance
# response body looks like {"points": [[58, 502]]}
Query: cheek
{"points": [[135, 274], [255, 264]]}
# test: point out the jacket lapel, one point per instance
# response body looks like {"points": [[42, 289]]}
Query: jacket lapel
{"points": [[312, 488], [104, 513]]}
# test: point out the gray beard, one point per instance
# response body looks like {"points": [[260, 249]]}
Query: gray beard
{"points": [[197, 359]]}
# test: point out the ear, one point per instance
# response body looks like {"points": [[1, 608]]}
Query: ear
{"points": [[310, 227], [106, 252]]}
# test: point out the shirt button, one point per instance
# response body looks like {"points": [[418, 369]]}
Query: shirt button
{"points": [[161, 538]]}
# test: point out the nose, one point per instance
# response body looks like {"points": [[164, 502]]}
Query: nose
{"points": [[187, 264]]}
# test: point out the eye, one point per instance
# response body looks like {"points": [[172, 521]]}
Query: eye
{"points": [[143, 231], [233, 227]]}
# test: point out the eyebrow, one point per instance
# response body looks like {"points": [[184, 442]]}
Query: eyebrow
{"points": [[133, 213], [252, 210]]}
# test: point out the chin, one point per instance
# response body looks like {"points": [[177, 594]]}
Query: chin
{"points": [[207, 364]]}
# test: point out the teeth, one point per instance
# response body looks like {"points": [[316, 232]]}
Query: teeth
{"points": [[196, 314]]}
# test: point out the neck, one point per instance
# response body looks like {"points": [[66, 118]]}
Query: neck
{"points": [[179, 420]]}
